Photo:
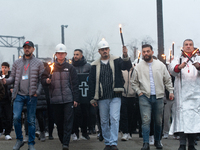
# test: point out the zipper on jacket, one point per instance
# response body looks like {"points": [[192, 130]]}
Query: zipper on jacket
{"points": [[61, 88]]}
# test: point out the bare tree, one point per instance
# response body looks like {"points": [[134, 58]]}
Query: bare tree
{"points": [[90, 48], [133, 49], [147, 40]]}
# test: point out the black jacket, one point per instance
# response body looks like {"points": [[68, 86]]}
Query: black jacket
{"points": [[116, 64], [2, 91], [7, 97], [81, 66], [64, 83]]}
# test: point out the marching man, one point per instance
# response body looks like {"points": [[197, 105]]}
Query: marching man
{"points": [[186, 119]]}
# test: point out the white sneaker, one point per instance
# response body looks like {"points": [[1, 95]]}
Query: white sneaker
{"points": [[74, 137], [151, 140], [46, 134], [165, 136], [37, 134], [129, 137], [125, 137], [8, 137], [26, 139]]}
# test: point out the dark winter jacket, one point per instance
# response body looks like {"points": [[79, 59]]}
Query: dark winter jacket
{"points": [[116, 64], [41, 102], [64, 83], [81, 66], [2, 91], [7, 96], [36, 69]]}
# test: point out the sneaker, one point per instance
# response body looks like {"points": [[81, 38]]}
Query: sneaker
{"points": [[107, 147], [51, 137], [42, 136], [31, 147], [74, 137], [65, 147], [8, 137], [124, 137], [25, 139], [129, 137], [114, 147], [46, 134], [85, 136], [151, 140], [18, 145], [37, 134], [165, 136]]}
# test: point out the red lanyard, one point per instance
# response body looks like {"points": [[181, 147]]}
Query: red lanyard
{"points": [[25, 68]]}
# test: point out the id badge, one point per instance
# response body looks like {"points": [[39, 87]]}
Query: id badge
{"points": [[25, 77]]}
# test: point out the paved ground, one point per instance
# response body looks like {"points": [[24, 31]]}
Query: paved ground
{"points": [[92, 144]]}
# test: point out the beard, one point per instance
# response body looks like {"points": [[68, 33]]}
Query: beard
{"points": [[147, 58], [28, 54]]}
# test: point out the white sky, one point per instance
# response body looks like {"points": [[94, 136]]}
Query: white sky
{"points": [[40, 21]]}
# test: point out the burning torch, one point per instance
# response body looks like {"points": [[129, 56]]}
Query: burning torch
{"points": [[51, 70], [163, 56], [120, 29], [139, 53]]}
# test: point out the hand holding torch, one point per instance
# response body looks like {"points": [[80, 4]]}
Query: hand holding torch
{"points": [[120, 29]]}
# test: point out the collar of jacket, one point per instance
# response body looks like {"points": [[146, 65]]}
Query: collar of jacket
{"points": [[98, 67], [30, 57], [78, 63]]}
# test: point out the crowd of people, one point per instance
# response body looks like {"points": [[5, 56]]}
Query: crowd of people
{"points": [[149, 97]]}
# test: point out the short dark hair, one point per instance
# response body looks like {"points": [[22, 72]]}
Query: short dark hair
{"points": [[147, 45], [188, 40], [5, 64], [78, 50]]}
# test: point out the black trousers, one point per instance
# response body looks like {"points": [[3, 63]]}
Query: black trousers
{"points": [[5, 117], [64, 116], [81, 118], [126, 115], [41, 119]]}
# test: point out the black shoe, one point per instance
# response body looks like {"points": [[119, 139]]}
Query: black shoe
{"points": [[107, 147], [145, 146], [191, 147], [51, 137], [85, 136], [114, 147], [195, 142], [182, 147], [101, 137], [158, 145], [65, 147]]}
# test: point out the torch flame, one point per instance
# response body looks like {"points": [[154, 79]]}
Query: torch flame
{"points": [[120, 25], [195, 51], [20, 57], [163, 56], [51, 68], [139, 53], [103, 39]]}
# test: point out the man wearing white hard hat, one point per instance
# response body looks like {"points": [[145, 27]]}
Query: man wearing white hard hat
{"points": [[64, 94], [106, 87]]}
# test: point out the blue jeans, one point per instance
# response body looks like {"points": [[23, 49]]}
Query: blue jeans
{"points": [[109, 110], [148, 106], [31, 103]]}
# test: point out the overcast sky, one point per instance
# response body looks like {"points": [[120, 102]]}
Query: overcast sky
{"points": [[40, 21]]}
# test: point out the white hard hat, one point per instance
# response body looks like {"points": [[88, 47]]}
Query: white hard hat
{"points": [[103, 44], [61, 48]]}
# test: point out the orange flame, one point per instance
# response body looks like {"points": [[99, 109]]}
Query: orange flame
{"points": [[20, 57], [139, 53], [195, 51], [103, 39], [163, 56], [51, 68]]}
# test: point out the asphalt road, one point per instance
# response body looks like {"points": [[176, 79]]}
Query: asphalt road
{"points": [[92, 144]]}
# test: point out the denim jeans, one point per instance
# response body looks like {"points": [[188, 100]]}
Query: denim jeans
{"points": [[31, 103], [155, 107], [109, 110]]}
